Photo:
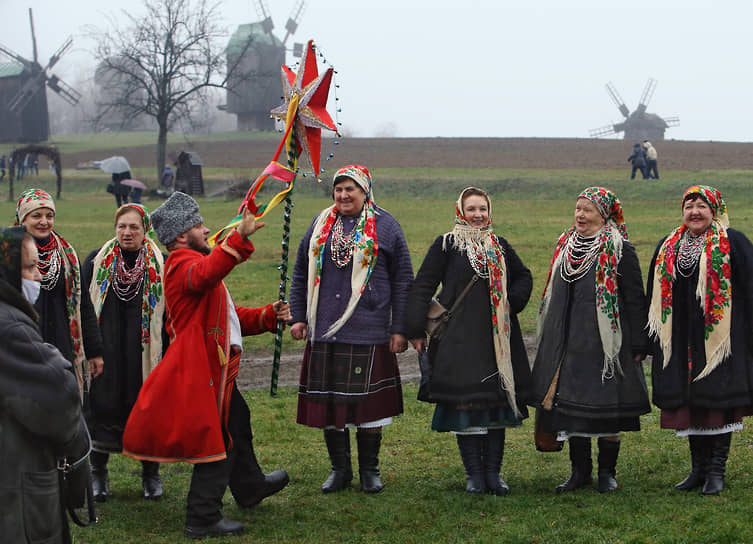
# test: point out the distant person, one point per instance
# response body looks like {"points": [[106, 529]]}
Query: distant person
{"points": [[651, 160], [34, 163], [21, 168], [120, 191], [2, 167], [638, 159], [167, 177]]}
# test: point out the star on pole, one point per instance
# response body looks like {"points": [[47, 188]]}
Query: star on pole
{"points": [[306, 105]]}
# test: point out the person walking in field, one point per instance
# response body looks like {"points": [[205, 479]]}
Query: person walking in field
{"points": [[638, 159], [651, 160]]}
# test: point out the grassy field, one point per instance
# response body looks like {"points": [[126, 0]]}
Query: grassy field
{"points": [[424, 500]]}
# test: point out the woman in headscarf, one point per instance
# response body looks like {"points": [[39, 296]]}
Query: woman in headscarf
{"points": [[700, 319], [40, 409], [66, 316], [124, 280], [348, 295], [480, 376], [587, 377]]}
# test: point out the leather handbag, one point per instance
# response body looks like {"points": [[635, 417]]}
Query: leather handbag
{"points": [[437, 316], [545, 439]]}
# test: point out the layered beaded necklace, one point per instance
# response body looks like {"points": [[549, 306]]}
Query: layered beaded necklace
{"points": [[580, 254], [689, 253], [477, 257], [126, 281], [49, 264], [341, 245]]}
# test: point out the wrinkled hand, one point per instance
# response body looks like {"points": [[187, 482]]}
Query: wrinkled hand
{"points": [[97, 365], [248, 224], [398, 343], [298, 330], [419, 344], [282, 310]]}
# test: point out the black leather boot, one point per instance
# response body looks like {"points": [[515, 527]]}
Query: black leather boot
{"points": [[100, 479], [581, 463], [495, 450], [338, 446], [700, 451], [471, 452], [368, 461], [151, 481], [718, 464], [609, 450]]}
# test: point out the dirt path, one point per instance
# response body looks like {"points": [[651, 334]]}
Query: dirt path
{"points": [[256, 368]]}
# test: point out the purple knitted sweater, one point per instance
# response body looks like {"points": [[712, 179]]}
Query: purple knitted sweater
{"points": [[381, 309]]}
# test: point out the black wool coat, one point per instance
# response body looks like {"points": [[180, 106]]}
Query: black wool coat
{"points": [[731, 383], [464, 367], [570, 336]]}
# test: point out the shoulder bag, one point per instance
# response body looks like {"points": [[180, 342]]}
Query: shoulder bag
{"points": [[437, 316]]}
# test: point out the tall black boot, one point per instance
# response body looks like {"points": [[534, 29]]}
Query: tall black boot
{"points": [[471, 452], [700, 451], [100, 478], [717, 465], [368, 461], [151, 481], [338, 446], [609, 450], [581, 465], [495, 450]]}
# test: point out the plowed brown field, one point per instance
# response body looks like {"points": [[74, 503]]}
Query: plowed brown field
{"points": [[550, 153]]}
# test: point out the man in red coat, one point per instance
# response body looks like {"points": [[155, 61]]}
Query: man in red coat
{"points": [[189, 408]]}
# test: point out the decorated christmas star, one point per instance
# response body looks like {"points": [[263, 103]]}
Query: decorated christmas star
{"points": [[305, 114]]}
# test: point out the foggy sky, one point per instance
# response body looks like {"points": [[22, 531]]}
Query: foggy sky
{"points": [[496, 68]]}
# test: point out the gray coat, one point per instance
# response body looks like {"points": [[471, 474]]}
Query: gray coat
{"points": [[571, 337], [40, 419]]}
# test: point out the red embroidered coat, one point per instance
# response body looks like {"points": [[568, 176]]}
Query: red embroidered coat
{"points": [[181, 411]]}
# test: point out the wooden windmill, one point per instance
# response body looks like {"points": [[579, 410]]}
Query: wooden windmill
{"points": [[24, 115], [638, 125], [255, 85]]}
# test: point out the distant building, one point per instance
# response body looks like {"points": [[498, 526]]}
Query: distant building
{"points": [[32, 123], [256, 85]]}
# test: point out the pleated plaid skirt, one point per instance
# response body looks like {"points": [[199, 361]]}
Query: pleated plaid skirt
{"points": [[345, 384]]}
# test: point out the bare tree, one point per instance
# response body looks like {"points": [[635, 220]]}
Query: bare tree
{"points": [[162, 64]]}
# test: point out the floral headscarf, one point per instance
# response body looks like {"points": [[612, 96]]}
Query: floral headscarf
{"points": [[364, 252], [152, 301], [33, 199], [610, 253], [482, 244], [714, 288]]}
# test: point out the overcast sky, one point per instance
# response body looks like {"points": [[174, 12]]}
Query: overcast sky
{"points": [[498, 68]]}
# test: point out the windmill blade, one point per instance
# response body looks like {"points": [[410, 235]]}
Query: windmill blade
{"points": [[59, 53], [12, 54], [617, 99], [672, 121], [292, 25], [648, 92], [600, 132], [33, 36], [266, 21], [66, 92]]}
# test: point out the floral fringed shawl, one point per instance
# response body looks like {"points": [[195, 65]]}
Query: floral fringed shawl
{"points": [[714, 288]]}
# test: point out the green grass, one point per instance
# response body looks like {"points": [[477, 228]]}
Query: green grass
{"points": [[424, 500]]}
